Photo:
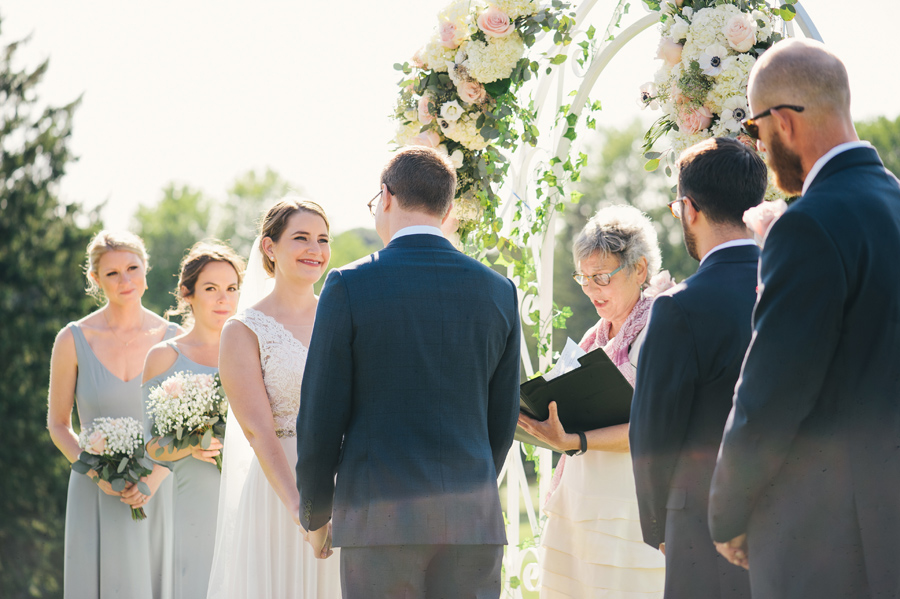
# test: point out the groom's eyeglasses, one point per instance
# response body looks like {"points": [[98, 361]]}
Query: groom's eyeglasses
{"points": [[373, 202], [750, 126]]}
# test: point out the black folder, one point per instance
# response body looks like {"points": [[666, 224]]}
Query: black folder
{"points": [[594, 395]]}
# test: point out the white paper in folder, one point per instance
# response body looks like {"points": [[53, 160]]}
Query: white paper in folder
{"points": [[568, 360]]}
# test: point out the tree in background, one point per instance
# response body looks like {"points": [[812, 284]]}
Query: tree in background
{"points": [[885, 136], [42, 248], [169, 229], [247, 199]]}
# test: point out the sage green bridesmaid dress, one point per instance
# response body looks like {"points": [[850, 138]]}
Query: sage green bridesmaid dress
{"points": [[107, 554], [195, 503]]}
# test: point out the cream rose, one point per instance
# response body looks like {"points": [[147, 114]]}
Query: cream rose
{"points": [[471, 92], [425, 116], [693, 119], [740, 31], [96, 443], [429, 139], [495, 23], [669, 51]]}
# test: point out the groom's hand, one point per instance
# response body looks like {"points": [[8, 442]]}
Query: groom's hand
{"points": [[320, 540], [735, 551]]}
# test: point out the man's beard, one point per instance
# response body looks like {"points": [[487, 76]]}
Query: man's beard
{"points": [[785, 165], [690, 241]]}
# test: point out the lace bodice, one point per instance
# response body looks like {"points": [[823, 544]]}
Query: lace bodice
{"points": [[283, 359]]}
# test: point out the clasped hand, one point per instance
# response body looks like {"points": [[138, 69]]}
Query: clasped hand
{"points": [[735, 551], [320, 541]]}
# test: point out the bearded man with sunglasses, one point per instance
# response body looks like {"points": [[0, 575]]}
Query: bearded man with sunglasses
{"points": [[806, 487]]}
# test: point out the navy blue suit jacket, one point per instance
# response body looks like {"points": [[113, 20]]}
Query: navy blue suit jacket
{"points": [[410, 397], [690, 361], [809, 465]]}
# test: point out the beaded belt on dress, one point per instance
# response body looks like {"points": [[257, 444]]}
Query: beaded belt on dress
{"points": [[285, 434]]}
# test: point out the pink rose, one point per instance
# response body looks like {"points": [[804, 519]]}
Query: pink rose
{"points": [[172, 387], [495, 23], [429, 139], [692, 119], [96, 443], [471, 92], [678, 96], [425, 116], [658, 283], [451, 34], [669, 51], [760, 218], [740, 31], [204, 381], [417, 60]]}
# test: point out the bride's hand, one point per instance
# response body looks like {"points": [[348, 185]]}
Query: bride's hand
{"points": [[320, 540], [550, 431]]}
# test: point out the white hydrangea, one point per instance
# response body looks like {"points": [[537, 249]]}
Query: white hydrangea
{"points": [[407, 132], [435, 56], [494, 60], [731, 82], [457, 11], [517, 8], [466, 208], [706, 30], [122, 436], [185, 401], [464, 131], [682, 141], [765, 31]]}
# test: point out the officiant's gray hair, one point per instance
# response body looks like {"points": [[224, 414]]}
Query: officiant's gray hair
{"points": [[624, 232]]}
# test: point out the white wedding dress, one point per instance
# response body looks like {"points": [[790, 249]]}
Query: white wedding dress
{"points": [[260, 553]]}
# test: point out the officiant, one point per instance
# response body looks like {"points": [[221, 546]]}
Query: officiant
{"points": [[593, 523]]}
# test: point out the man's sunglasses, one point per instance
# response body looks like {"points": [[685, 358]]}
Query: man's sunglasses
{"points": [[750, 126]]}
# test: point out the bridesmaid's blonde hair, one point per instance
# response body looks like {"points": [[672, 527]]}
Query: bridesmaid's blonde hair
{"points": [[111, 241]]}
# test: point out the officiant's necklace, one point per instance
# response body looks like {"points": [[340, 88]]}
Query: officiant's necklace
{"points": [[116, 335]]}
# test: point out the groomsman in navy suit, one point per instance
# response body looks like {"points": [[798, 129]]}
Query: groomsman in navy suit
{"points": [[806, 492], [690, 361], [411, 396]]}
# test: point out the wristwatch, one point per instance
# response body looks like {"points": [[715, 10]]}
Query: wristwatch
{"points": [[583, 449]]}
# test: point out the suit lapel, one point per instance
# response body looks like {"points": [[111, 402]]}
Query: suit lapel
{"points": [[850, 159]]}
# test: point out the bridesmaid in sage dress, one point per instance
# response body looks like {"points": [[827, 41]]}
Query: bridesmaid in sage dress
{"points": [[96, 366], [207, 296]]}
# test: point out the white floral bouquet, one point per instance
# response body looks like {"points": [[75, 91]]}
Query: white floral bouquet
{"points": [[189, 410], [114, 449], [708, 48], [459, 93]]}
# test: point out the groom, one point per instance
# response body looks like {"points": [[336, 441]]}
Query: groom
{"points": [[806, 487], [410, 397], [691, 358]]}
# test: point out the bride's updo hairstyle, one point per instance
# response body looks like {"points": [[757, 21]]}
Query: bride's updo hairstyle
{"points": [[201, 254], [111, 241], [275, 222]]}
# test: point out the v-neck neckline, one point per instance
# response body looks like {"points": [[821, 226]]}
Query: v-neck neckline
{"points": [[106, 368]]}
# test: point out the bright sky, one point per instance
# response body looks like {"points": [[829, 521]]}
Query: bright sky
{"points": [[200, 92]]}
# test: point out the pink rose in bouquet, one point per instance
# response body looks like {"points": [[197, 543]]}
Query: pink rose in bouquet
{"points": [[669, 51], [429, 139], [693, 119], [451, 34], [96, 443], [471, 92], [495, 23], [740, 31], [172, 386], [425, 116], [760, 218]]}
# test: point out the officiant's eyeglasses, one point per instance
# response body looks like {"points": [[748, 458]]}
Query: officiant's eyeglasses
{"points": [[373, 202], [750, 126], [601, 279]]}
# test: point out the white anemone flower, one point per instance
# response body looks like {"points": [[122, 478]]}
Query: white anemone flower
{"points": [[711, 60], [451, 111], [734, 110], [648, 97]]}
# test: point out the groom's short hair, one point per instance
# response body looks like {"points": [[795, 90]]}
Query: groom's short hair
{"points": [[724, 177], [422, 179]]}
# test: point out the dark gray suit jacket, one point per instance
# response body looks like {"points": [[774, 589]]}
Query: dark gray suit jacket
{"points": [[809, 465], [410, 397], [690, 361]]}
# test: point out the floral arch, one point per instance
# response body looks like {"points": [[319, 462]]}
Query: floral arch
{"points": [[490, 90]]}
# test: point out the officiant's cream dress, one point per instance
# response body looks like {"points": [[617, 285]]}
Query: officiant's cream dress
{"points": [[263, 554], [592, 546]]}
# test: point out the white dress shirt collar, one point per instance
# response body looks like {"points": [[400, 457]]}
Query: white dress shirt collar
{"points": [[821, 162], [417, 230], [728, 244]]}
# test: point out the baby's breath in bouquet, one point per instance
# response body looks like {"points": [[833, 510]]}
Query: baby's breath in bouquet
{"points": [[188, 410], [114, 449]]}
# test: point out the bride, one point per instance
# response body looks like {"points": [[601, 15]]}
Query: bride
{"points": [[260, 548]]}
